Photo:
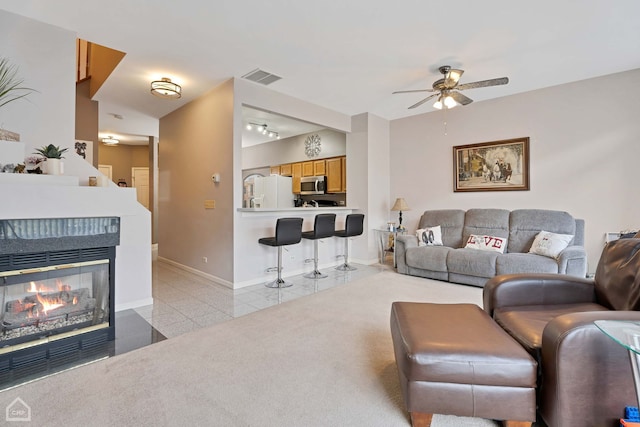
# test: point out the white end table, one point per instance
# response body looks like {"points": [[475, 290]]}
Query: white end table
{"points": [[386, 242]]}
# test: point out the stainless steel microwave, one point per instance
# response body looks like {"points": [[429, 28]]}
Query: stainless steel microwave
{"points": [[313, 185]]}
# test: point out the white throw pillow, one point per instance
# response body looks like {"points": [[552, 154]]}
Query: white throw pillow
{"points": [[430, 236], [496, 244], [550, 244], [486, 243], [474, 241]]}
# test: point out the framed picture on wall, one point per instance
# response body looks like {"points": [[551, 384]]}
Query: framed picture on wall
{"points": [[492, 166], [84, 149]]}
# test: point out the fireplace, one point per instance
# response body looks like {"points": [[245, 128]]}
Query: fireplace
{"points": [[56, 292]]}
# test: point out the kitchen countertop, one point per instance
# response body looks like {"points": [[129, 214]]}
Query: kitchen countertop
{"points": [[301, 209]]}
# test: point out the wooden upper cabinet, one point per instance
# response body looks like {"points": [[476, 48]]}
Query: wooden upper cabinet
{"points": [[307, 168], [319, 168], [344, 173], [275, 170], [285, 170], [334, 175], [296, 173]]}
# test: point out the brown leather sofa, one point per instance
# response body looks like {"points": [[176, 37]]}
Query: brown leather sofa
{"points": [[584, 377]]}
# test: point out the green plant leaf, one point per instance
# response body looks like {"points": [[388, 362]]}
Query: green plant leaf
{"points": [[11, 88], [51, 151]]}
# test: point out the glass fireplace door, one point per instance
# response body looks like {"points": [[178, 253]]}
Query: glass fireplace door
{"points": [[58, 300]]}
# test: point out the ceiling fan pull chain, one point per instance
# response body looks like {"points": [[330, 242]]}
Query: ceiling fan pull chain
{"points": [[445, 121]]}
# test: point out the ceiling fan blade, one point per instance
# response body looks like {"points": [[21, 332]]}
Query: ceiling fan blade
{"points": [[417, 104], [460, 98], [411, 91], [484, 83], [452, 78]]}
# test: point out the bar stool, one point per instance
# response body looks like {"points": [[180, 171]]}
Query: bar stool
{"points": [[323, 226], [288, 232], [352, 227]]}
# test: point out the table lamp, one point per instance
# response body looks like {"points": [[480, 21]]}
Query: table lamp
{"points": [[400, 205]]}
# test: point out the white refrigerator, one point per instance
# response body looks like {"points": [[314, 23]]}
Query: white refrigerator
{"points": [[273, 191]]}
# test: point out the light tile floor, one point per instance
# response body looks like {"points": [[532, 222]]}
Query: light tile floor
{"points": [[184, 301]]}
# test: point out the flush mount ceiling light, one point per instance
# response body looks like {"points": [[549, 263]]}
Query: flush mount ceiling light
{"points": [[263, 129], [110, 140], [165, 88]]}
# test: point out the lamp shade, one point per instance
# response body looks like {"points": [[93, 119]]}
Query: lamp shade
{"points": [[400, 205]]}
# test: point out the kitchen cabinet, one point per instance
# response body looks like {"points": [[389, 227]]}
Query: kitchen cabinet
{"points": [[285, 170], [319, 168], [335, 169], [296, 173], [344, 173], [334, 175], [307, 168]]}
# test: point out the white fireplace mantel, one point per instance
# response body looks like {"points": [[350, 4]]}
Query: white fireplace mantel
{"points": [[58, 200], [38, 179]]}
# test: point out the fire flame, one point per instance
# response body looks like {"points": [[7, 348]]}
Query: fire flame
{"points": [[47, 303], [38, 288]]}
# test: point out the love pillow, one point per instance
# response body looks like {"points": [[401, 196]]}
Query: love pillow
{"points": [[486, 243]]}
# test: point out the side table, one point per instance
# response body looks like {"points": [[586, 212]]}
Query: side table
{"points": [[386, 242], [627, 334]]}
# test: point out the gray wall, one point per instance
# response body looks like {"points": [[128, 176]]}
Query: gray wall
{"points": [[584, 154], [197, 141]]}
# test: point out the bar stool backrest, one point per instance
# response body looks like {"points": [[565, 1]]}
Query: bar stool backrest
{"points": [[324, 225], [354, 224], [288, 231]]}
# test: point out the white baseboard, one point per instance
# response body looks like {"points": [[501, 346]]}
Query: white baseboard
{"points": [[258, 280], [197, 272], [134, 304]]}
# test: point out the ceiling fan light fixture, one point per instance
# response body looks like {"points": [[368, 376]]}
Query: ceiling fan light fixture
{"points": [[165, 88], [447, 89], [449, 102], [438, 103]]}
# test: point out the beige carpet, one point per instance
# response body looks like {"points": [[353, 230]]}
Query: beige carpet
{"points": [[321, 360]]}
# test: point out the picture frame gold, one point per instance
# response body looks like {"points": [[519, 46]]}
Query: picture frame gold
{"points": [[492, 166]]}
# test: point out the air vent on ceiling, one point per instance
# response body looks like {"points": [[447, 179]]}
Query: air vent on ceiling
{"points": [[262, 77]]}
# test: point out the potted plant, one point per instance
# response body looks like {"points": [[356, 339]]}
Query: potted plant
{"points": [[11, 89], [53, 156]]}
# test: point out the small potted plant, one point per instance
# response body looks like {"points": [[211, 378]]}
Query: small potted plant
{"points": [[53, 158]]}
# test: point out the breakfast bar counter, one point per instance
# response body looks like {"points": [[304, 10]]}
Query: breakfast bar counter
{"points": [[255, 223], [298, 211]]}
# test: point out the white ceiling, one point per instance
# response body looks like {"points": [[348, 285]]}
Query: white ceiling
{"points": [[347, 56]]}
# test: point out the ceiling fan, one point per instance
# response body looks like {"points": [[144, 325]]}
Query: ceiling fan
{"points": [[446, 88]]}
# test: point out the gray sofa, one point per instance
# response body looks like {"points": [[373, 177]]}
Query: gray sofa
{"points": [[454, 263]]}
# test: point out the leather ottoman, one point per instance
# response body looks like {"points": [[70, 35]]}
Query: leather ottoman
{"points": [[454, 359]]}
